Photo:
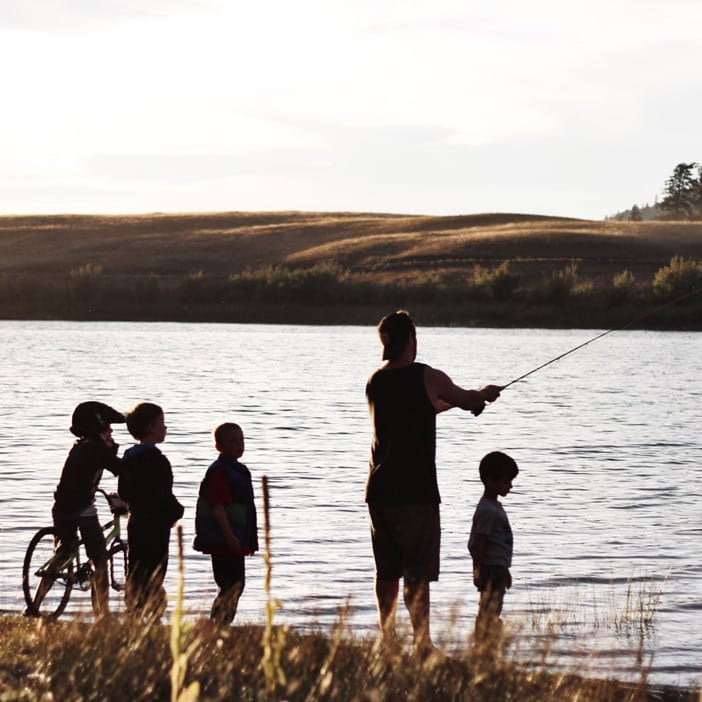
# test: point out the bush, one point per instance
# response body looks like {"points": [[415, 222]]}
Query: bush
{"points": [[559, 286], [193, 288], [85, 281], [323, 283], [679, 278], [497, 283], [623, 288], [503, 283]]}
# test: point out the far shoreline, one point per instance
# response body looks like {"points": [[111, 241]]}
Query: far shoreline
{"points": [[642, 317]]}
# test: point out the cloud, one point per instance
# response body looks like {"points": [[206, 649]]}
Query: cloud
{"points": [[449, 105], [74, 16]]}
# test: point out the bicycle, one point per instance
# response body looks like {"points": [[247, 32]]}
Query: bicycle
{"points": [[49, 574]]}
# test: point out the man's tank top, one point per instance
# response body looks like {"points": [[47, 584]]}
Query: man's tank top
{"points": [[402, 465]]}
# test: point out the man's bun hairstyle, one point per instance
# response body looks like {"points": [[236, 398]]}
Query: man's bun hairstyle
{"points": [[394, 331]]}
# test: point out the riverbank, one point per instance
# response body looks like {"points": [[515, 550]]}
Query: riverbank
{"points": [[495, 270], [118, 660]]}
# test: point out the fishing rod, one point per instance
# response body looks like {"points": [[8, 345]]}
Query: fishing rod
{"points": [[599, 336]]}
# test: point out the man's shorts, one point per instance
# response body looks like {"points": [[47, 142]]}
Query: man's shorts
{"points": [[406, 541], [90, 531]]}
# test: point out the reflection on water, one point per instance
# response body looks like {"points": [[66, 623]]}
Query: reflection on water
{"points": [[605, 510]]}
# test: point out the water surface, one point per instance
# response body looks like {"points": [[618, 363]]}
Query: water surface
{"points": [[606, 509]]}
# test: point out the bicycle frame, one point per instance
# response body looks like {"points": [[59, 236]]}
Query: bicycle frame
{"points": [[69, 565], [81, 573]]}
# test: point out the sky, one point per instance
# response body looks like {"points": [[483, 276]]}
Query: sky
{"points": [[436, 107]]}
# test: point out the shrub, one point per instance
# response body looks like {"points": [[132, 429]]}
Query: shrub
{"points": [[193, 288], [679, 278], [559, 286], [503, 283], [321, 284], [495, 283], [623, 288], [85, 281]]}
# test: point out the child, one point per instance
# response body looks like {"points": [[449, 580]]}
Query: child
{"points": [[146, 484], [74, 498], [225, 523], [490, 542]]}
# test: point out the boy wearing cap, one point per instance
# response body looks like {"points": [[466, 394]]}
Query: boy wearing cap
{"points": [[402, 493], [74, 499]]}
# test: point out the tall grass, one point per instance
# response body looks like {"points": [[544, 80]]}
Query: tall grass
{"points": [[179, 650], [273, 640]]}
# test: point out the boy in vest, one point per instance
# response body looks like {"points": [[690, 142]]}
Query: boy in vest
{"points": [[490, 543], [225, 522]]}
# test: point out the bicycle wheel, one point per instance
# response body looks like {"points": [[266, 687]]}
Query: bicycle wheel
{"points": [[117, 555], [46, 583]]}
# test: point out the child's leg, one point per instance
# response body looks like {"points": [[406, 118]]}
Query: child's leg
{"points": [[146, 569], [94, 540], [229, 574], [488, 622]]}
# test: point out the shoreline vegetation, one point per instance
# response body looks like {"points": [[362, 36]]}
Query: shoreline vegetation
{"points": [[118, 658], [491, 270]]}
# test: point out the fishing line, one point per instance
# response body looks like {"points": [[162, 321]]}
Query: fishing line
{"points": [[599, 336]]}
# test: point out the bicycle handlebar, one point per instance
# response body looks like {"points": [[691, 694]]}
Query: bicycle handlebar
{"points": [[117, 505]]}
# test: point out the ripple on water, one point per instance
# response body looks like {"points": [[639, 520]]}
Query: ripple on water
{"points": [[607, 500]]}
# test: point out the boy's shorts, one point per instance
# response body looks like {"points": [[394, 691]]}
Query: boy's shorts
{"points": [[406, 541], [90, 531]]}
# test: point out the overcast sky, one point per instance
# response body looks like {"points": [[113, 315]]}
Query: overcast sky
{"points": [[429, 106]]}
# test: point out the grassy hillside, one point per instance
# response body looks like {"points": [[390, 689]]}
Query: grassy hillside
{"points": [[111, 266]]}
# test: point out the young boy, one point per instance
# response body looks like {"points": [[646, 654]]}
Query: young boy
{"points": [[490, 543], [225, 523], [146, 484], [74, 498]]}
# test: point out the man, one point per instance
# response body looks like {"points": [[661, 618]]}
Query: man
{"points": [[402, 493]]}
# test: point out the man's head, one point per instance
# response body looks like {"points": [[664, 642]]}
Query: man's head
{"points": [[229, 440], [396, 330], [497, 465]]}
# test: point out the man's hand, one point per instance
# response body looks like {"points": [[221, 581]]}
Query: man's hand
{"points": [[490, 392]]}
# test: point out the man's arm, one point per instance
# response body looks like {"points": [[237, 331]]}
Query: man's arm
{"points": [[445, 394]]}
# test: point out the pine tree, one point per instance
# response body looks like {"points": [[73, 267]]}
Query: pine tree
{"points": [[681, 192], [698, 193]]}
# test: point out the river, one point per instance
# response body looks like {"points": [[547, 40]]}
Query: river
{"points": [[605, 511]]}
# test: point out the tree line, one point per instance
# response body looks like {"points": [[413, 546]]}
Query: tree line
{"points": [[682, 192], [681, 197]]}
